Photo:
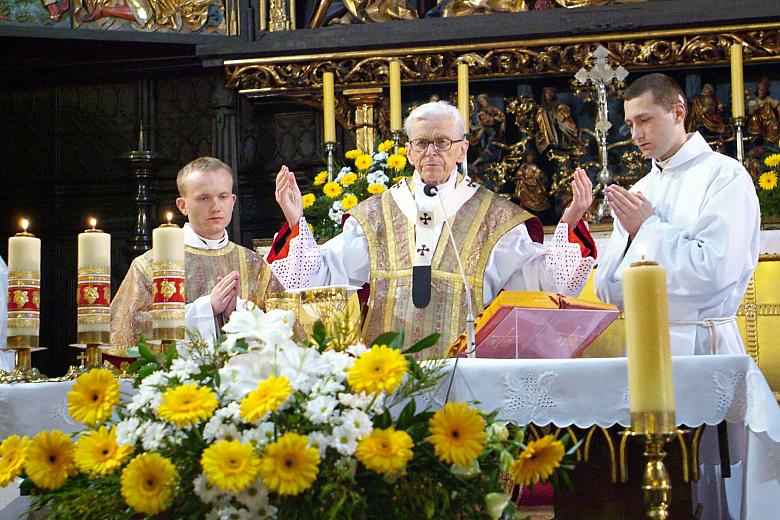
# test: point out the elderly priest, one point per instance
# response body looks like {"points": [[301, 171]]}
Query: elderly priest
{"points": [[395, 240]]}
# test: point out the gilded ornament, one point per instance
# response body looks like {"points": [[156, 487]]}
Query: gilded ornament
{"points": [[36, 298], [20, 298], [181, 289], [107, 293], [167, 288], [91, 294]]}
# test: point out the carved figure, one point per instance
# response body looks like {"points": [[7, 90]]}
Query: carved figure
{"points": [[705, 114], [763, 113], [470, 7], [530, 186], [196, 15]]}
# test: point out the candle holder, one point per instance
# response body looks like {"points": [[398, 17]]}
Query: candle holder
{"points": [[739, 122], [330, 150], [23, 371], [396, 140], [656, 428]]}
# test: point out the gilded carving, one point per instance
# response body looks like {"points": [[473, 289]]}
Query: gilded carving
{"points": [[20, 298], [501, 59], [91, 294]]}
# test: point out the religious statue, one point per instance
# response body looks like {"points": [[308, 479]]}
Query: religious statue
{"points": [[56, 8], [555, 125], [450, 8], [490, 130], [531, 185], [706, 113], [764, 113], [176, 15]]}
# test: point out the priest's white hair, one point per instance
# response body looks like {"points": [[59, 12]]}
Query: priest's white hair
{"points": [[434, 110]]}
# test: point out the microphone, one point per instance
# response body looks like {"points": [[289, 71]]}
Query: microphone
{"points": [[432, 191]]}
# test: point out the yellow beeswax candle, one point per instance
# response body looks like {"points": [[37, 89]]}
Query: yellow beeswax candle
{"points": [[650, 383], [463, 95], [395, 95], [328, 108], [737, 82]]}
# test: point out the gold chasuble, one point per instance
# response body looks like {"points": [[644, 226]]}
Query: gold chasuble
{"points": [[131, 307], [477, 226]]}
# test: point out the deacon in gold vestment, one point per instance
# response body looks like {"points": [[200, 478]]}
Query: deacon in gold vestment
{"points": [[396, 241], [220, 275]]}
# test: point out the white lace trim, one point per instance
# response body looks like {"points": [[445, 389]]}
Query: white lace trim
{"points": [[564, 262], [302, 262]]}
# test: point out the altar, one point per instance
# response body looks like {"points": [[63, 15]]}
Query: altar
{"points": [[574, 393]]}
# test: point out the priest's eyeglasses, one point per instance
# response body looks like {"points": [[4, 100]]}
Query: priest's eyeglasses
{"points": [[440, 144]]}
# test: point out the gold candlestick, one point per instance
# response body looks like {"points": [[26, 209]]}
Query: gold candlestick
{"points": [[656, 484]]}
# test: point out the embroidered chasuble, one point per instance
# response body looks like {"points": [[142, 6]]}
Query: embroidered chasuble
{"points": [[131, 307], [479, 223]]}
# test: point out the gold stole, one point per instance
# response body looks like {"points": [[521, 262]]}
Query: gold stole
{"points": [[479, 224]]}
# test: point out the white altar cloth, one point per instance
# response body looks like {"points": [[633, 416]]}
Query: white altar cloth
{"points": [[581, 392]]}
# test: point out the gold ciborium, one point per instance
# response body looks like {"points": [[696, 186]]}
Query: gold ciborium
{"points": [[322, 303]]}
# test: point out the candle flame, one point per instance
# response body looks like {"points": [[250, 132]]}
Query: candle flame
{"points": [[24, 223], [92, 222], [169, 216]]}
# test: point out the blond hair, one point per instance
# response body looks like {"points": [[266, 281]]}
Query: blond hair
{"points": [[200, 165]]}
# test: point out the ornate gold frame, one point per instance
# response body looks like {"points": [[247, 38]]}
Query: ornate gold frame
{"points": [[695, 46]]}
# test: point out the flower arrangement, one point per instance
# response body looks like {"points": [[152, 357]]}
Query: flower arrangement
{"points": [[766, 184], [366, 176], [257, 426]]}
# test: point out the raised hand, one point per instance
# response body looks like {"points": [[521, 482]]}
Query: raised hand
{"points": [[630, 208], [224, 295], [582, 198], [288, 196]]}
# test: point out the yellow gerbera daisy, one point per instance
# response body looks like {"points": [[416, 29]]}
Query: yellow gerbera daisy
{"points": [[187, 405], [353, 154], [772, 160], [230, 465], [768, 180], [537, 461], [50, 459], [349, 201], [308, 200], [148, 483], [332, 189], [98, 453], [385, 451], [376, 188], [363, 162], [289, 465], [401, 151], [93, 397], [380, 368], [348, 179], [13, 451], [385, 146], [269, 395], [396, 162], [457, 434], [320, 178]]}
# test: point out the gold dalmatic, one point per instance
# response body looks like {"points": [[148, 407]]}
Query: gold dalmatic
{"points": [[477, 226], [131, 308]]}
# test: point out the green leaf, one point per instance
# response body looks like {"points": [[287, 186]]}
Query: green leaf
{"points": [[170, 355], [406, 415], [319, 334], [424, 343], [388, 338], [136, 365], [148, 370], [143, 349]]}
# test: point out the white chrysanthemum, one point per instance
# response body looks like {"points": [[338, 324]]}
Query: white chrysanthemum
{"points": [[254, 497], [158, 379], [217, 431], [330, 386], [268, 511], [128, 431], [357, 349], [146, 397], [261, 435], [339, 363], [320, 409], [154, 433], [207, 492], [183, 368], [344, 440], [371, 178], [359, 421], [380, 156], [229, 513], [231, 412], [320, 442]]}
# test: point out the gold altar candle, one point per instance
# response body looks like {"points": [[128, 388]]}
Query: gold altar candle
{"points": [[737, 83], [168, 281], [650, 383], [24, 288], [328, 108], [93, 321], [463, 95], [395, 95]]}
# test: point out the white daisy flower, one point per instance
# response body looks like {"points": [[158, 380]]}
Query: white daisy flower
{"points": [[320, 409], [254, 496], [207, 492], [344, 440]]}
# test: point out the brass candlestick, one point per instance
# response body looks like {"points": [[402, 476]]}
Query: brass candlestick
{"points": [[656, 428], [738, 124], [23, 371], [396, 140], [330, 149]]}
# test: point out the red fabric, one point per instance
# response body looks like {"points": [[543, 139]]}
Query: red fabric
{"points": [[540, 495], [535, 229], [581, 235], [281, 245]]}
